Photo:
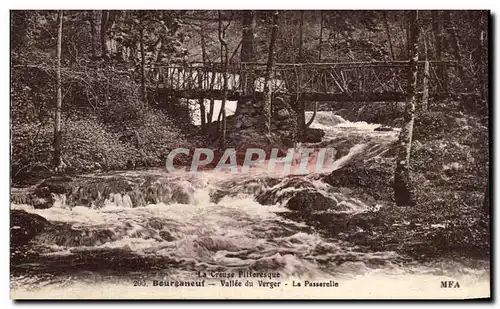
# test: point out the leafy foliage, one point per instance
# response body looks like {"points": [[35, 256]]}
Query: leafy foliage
{"points": [[87, 146], [102, 91], [90, 145], [449, 171]]}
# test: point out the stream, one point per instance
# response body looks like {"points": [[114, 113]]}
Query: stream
{"points": [[230, 223]]}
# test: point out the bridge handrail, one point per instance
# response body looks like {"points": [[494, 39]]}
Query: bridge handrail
{"points": [[394, 63]]}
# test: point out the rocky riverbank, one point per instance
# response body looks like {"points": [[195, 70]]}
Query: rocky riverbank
{"points": [[353, 203]]}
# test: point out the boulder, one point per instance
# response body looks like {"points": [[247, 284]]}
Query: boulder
{"points": [[383, 129], [217, 195], [166, 235], [39, 198], [313, 135], [57, 184], [308, 201], [183, 193], [25, 226], [42, 198], [282, 192], [375, 181], [165, 191], [385, 113]]}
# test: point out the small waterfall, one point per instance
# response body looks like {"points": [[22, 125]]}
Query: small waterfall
{"points": [[324, 119], [171, 225]]}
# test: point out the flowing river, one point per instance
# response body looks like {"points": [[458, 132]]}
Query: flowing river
{"points": [[229, 223]]}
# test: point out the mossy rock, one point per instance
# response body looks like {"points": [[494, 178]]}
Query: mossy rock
{"points": [[39, 198], [25, 226], [277, 194], [57, 184], [314, 135], [306, 202], [374, 180]]}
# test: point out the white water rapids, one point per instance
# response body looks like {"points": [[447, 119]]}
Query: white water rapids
{"points": [[100, 252]]}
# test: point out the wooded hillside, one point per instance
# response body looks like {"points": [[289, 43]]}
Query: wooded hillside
{"points": [[80, 88]]}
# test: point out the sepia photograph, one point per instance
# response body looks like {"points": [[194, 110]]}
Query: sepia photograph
{"points": [[250, 154]]}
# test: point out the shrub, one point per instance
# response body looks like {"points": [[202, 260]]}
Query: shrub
{"points": [[431, 125], [31, 149], [156, 137], [105, 125], [86, 146]]}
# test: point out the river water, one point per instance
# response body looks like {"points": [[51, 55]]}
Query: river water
{"points": [[111, 252]]}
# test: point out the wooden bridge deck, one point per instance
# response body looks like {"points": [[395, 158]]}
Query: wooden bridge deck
{"points": [[353, 81]]}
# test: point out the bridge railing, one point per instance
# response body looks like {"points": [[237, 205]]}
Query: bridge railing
{"points": [[361, 77], [326, 78]]}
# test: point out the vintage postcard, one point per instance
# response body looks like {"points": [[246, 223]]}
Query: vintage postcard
{"points": [[249, 154]]}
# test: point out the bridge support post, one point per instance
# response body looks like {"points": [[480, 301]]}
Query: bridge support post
{"points": [[201, 102], [301, 117]]}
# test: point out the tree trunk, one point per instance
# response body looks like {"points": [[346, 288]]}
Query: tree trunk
{"points": [[158, 48], [425, 91], [247, 49], [301, 119], [269, 69], [438, 40], [224, 56], [58, 162], [201, 100], [104, 30], [320, 45], [212, 101], [210, 114], [479, 55], [301, 38], [313, 115], [457, 51], [486, 201], [388, 34], [92, 34], [143, 67], [446, 22], [402, 180], [203, 119], [204, 57], [404, 30]]}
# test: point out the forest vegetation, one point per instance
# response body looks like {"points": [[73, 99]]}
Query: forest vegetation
{"points": [[83, 99]]}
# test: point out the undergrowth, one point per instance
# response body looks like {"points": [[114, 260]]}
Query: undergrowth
{"points": [[449, 169]]}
